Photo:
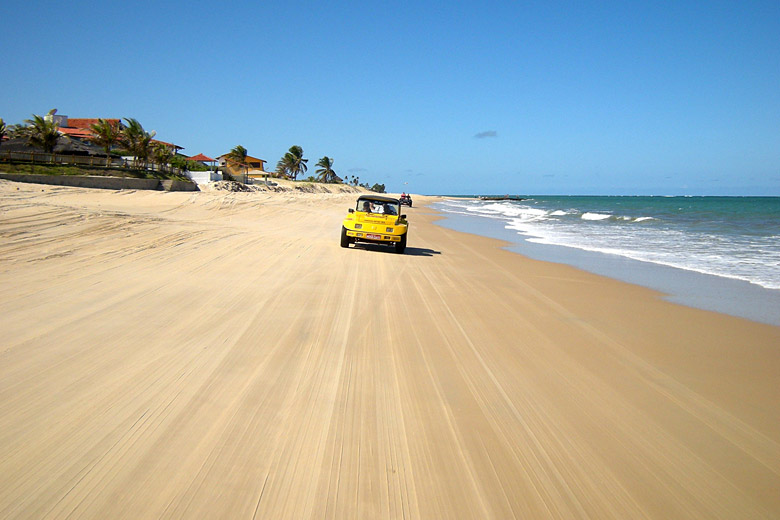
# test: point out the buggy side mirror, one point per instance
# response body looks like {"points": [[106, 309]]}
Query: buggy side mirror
{"points": [[351, 210], [403, 217]]}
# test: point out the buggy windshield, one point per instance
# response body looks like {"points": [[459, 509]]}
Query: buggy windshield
{"points": [[381, 207]]}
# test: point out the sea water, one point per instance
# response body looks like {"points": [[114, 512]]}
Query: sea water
{"points": [[715, 253]]}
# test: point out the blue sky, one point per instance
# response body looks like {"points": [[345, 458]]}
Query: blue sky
{"points": [[429, 97]]}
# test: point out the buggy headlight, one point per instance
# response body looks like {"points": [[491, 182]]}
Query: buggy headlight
{"points": [[389, 230], [358, 226]]}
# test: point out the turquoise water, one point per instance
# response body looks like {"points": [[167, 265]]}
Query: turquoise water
{"points": [[729, 246]]}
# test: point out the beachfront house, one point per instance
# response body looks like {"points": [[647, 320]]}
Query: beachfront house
{"points": [[79, 128], [253, 168], [252, 162]]}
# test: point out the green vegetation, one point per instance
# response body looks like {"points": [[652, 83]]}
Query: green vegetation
{"points": [[182, 163], [237, 156], [106, 134], [137, 141], [325, 171], [42, 131], [292, 163], [355, 181], [63, 169], [162, 155]]}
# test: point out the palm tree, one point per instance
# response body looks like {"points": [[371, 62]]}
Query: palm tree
{"points": [[284, 166], [137, 140], [325, 171], [42, 131], [237, 156], [145, 146], [106, 134], [292, 163], [162, 155], [16, 131]]}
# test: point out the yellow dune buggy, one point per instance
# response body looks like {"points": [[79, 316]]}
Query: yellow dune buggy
{"points": [[377, 220]]}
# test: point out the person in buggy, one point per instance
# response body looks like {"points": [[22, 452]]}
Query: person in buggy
{"points": [[405, 199]]}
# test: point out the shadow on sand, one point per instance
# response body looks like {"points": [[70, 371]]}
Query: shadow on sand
{"points": [[421, 251], [411, 251]]}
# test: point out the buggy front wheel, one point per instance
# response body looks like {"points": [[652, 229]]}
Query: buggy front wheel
{"points": [[344, 238]]}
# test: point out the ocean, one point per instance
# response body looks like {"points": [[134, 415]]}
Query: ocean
{"points": [[715, 253]]}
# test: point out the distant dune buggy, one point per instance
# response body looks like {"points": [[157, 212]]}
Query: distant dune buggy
{"points": [[376, 220]]}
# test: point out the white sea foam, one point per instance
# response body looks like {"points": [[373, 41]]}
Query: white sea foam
{"points": [[667, 241], [509, 210], [595, 216], [717, 265]]}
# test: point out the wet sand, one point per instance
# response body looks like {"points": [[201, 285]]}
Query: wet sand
{"points": [[218, 355]]}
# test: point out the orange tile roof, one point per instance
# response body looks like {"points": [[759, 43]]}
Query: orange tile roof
{"points": [[249, 158], [74, 122]]}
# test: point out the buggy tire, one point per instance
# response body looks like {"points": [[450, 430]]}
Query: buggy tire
{"points": [[400, 247], [344, 238]]}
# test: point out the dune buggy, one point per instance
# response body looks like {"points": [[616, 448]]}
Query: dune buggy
{"points": [[377, 220]]}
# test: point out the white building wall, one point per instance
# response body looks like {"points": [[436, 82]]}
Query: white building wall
{"points": [[204, 177]]}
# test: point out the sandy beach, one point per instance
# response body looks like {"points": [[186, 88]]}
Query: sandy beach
{"points": [[218, 355]]}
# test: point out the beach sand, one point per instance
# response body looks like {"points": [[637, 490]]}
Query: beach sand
{"points": [[218, 355]]}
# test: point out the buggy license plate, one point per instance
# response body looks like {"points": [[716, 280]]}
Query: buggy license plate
{"points": [[373, 237]]}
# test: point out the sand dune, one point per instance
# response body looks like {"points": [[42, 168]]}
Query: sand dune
{"points": [[218, 355]]}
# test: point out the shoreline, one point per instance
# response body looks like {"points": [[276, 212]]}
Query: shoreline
{"points": [[730, 296], [218, 354]]}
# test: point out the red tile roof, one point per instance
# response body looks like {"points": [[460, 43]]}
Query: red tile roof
{"points": [[74, 122], [202, 158], [80, 128]]}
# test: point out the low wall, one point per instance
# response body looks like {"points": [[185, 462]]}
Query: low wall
{"points": [[108, 183], [177, 185], [204, 177]]}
